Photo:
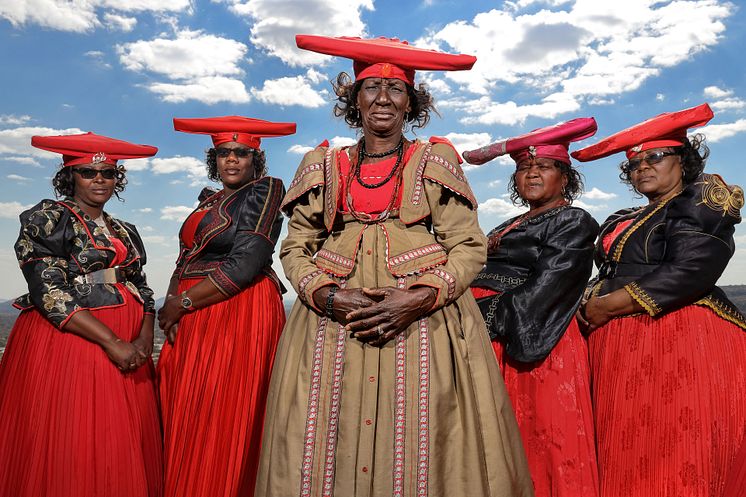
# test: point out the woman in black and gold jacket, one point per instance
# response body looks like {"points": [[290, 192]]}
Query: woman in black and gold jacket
{"points": [[223, 316], [77, 385], [667, 348]]}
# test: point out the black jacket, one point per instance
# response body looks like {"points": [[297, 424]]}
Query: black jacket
{"points": [[59, 242], [542, 267], [235, 239]]}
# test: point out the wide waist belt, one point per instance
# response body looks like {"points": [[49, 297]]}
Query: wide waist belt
{"points": [[102, 276], [613, 269]]}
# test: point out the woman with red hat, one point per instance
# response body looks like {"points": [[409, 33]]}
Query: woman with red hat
{"points": [[77, 385], [385, 383], [667, 347], [537, 267], [222, 316]]}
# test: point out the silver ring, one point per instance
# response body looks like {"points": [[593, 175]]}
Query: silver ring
{"points": [[379, 330]]}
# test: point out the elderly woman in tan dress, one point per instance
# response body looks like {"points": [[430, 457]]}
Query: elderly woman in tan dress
{"points": [[385, 382]]}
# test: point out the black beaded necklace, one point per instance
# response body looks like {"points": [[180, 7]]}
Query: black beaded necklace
{"points": [[361, 152]]}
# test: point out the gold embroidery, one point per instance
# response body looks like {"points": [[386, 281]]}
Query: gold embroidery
{"points": [[56, 299], [635, 225], [723, 311], [720, 197], [642, 297]]}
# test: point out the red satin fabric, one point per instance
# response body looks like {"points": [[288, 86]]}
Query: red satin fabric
{"points": [[670, 405], [213, 386], [73, 424]]}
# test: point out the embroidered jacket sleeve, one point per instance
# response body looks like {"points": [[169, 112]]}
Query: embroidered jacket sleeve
{"points": [[699, 228], [455, 225], [43, 256], [259, 221], [534, 316], [136, 275], [304, 203]]}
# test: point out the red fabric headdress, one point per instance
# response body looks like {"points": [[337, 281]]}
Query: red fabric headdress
{"points": [[385, 57], [90, 148], [664, 130], [550, 142], [244, 130]]}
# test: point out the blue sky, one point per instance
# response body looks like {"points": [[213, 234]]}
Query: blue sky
{"points": [[125, 68]]}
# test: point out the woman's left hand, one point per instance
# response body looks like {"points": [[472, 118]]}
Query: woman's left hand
{"points": [[395, 309], [144, 341], [170, 313], [595, 313]]}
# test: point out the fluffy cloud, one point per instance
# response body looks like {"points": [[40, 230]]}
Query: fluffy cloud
{"points": [[13, 120], [722, 100], [11, 210], [289, 91], [207, 90], [17, 142], [500, 207], [299, 149], [23, 160], [587, 53], [120, 23], [175, 212], [275, 24], [16, 177], [717, 132], [715, 92], [596, 194]]}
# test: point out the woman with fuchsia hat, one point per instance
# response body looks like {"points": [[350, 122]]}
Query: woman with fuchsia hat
{"points": [[667, 347], [222, 316], [537, 267], [77, 385], [385, 382]]}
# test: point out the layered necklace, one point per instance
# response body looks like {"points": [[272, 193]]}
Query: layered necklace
{"points": [[395, 172]]}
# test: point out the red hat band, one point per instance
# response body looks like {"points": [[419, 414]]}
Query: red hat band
{"points": [[555, 152], [382, 70], [250, 141], [97, 158]]}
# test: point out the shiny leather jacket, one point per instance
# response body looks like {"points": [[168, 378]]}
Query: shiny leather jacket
{"points": [[675, 250], [234, 241], [57, 243], [540, 268]]}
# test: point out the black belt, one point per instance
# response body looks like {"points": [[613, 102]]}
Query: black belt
{"points": [[613, 269]]}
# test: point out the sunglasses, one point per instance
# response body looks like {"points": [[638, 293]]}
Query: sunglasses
{"points": [[90, 173], [650, 159], [239, 152]]}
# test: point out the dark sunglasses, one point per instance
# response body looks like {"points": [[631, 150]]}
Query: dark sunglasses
{"points": [[90, 173], [650, 159], [240, 152]]}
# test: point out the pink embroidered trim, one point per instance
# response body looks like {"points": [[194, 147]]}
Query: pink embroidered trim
{"points": [[414, 254], [400, 406], [309, 442], [448, 278], [423, 452], [303, 283], [417, 191], [308, 169], [453, 169], [335, 258], [333, 426]]}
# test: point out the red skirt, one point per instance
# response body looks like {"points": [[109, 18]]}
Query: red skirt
{"points": [[213, 386], [670, 405], [552, 403], [73, 424]]}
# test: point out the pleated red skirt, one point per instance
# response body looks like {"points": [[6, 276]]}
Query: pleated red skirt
{"points": [[213, 386], [552, 403], [670, 405], [73, 425]]}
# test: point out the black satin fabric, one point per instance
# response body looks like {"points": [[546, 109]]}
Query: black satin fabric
{"points": [[234, 241], [674, 251], [542, 267]]}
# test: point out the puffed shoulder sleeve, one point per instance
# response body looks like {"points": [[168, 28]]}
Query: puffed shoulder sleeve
{"points": [[455, 225], [42, 252], [259, 222], [533, 317], [136, 275], [309, 176], [699, 228]]}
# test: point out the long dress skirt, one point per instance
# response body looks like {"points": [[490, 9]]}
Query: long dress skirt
{"points": [[73, 425], [552, 403], [213, 386], [670, 405]]}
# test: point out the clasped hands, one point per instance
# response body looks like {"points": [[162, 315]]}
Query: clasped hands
{"points": [[376, 315]]}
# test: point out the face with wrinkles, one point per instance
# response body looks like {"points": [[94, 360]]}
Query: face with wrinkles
{"points": [[383, 103], [539, 181]]}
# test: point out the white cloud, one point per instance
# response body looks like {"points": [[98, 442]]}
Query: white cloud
{"points": [[135, 164], [209, 90], [660, 97], [728, 104], [596, 194], [13, 120], [11, 210], [500, 207], [159, 239], [342, 141], [17, 141], [175, 212], [715, 92], [194, 169], [717, 132], [289, 91], [16, 177], [120, 23], [23, 160], [275, 24], [589, 207], [299, 149], [145, 210]]}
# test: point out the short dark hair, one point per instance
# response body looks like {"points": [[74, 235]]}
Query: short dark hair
{"points": [[64, 183], [693, 154], [258, 160], [420, 100], [570, 192]]}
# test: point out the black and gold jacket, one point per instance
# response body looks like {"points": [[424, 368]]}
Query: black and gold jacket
{"points": [[541, 267], [59, 242], [234, 241], [675, 250]]}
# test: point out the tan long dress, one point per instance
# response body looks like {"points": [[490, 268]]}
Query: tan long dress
{"points": [[425, 415]]}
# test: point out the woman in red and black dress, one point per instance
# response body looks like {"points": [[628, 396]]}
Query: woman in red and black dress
{"points": [[668, 349], [537, 267], [77, 386], [222, 317]]}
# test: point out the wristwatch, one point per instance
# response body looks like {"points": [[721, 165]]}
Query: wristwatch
{"points": [[186, 302]]}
